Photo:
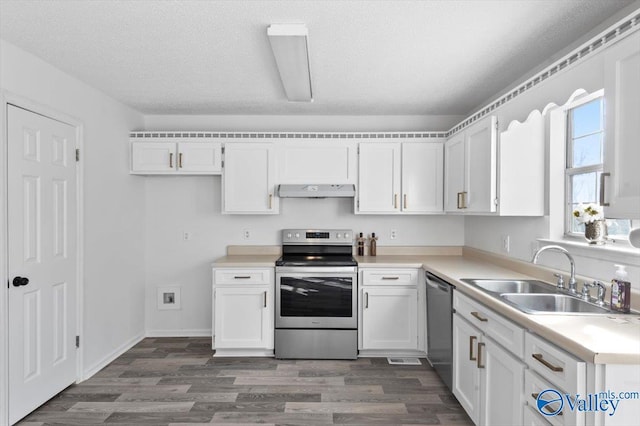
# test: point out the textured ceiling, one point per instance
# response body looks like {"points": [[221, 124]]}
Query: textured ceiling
{"points": [[367, 57]]}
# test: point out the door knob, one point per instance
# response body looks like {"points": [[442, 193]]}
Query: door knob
{"points": [[18, 281]]}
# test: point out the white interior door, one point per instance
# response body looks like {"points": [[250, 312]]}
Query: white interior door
{"points": [[41, 258]]}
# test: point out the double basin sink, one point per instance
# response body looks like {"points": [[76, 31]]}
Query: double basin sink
{"points": [[536, 297]]}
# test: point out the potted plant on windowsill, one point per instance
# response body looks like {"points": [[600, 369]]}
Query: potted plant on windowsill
{"points": [[595, 228]]}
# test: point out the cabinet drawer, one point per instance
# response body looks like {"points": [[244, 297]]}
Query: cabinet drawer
{"points": [[503, 331], [390, 277], [533, 385], [532, 418], [555, 365], [242, 276]]}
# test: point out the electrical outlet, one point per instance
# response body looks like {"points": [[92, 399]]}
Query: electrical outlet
{"points": [[506, 242], [246, 234], [186, 236], [393, 234]]}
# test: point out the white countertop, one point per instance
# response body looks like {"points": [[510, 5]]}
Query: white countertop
{"points": [[606, 339]]}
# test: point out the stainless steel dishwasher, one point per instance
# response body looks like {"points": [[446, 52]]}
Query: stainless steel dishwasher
{"points": [[439, 327]]}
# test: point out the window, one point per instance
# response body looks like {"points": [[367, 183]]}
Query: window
{"points": [[585, 150]]}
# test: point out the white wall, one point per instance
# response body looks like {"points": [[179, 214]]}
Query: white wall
{"points": [[192, 204], [485, 232], [114, 209]]}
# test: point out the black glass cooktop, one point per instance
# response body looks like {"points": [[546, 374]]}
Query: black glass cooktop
{"points": [[316, 260]]}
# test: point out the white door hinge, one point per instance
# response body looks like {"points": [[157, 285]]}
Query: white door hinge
{"points": [[77, 154]]}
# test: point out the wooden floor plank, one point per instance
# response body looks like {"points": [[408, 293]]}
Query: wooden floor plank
{"points": [[177, 381]]}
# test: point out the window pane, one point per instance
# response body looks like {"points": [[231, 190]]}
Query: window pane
{"points": [[587, 150], [585, 188], [587, 118], [576, 226]]}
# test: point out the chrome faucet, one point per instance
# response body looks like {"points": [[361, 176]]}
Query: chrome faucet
{"points": [[572, 278]]}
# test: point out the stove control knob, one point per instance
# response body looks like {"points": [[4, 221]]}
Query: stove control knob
{"points": [[289, 235], [297, 235], [338, 235], [346, 236]]}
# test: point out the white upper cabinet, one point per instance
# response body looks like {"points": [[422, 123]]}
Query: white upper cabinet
{"points": [[454, 169], [248, 182], [521, 168], [379, 178], [480, 167], [621, 195], [422, 177], [470, 169], [187, 156], [482, 179], [317, 161], [400, 177]]}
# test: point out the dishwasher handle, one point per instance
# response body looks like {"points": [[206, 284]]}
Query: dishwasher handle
{"points": [[436, 282]]}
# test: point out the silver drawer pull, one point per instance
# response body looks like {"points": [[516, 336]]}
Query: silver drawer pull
{"points": [[479, 317], [242, 277], [472, 339], [390, 278], [546, 407], [366, 300], [265, 299], [541, 360]]}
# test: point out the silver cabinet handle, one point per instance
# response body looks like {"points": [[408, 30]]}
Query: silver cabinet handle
{"points": [[270, 201], [479, 363], [171, 160], [395, 201], [390, 278], [541, 360], [459, 205], [479, 317], [464, 199], [366, 300], [471, 345], [265, 299], [602, 176], [405, 201], [180, 160], [241, 277]]}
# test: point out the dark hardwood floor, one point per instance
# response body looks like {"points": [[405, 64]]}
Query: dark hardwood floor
{"points": [[173, 381]]}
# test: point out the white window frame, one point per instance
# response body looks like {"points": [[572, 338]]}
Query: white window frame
{"points": [[572, 171]]}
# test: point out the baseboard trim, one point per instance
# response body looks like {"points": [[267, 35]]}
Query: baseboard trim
{"points": [[196, 332], [89, 372]]}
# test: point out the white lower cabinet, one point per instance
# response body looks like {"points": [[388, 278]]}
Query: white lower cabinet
{"points": [[487, 378], [242, 312], [391, 312], [390, 318]]}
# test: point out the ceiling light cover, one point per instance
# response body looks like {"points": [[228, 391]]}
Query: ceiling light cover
{"points": [[289, 43]]}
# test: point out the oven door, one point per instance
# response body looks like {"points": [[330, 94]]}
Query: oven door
{"points": [[316, 297]]}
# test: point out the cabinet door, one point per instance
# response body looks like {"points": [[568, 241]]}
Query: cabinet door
{"points": [[422, 174], [389, 318], [480, 164], [622, 112], [502, 383], [379, 178], [153, 157], [248, 178], [242, 317], [466, 375], [317, 161], [454, 154], [205, 157]]}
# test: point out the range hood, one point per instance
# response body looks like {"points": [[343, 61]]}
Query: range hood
{"points": [[316, 191]]}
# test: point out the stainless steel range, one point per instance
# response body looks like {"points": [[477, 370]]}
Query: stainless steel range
{"points": [[316, 295]]}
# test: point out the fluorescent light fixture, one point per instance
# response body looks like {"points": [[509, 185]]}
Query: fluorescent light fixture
{"points": [[291, 50]]}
